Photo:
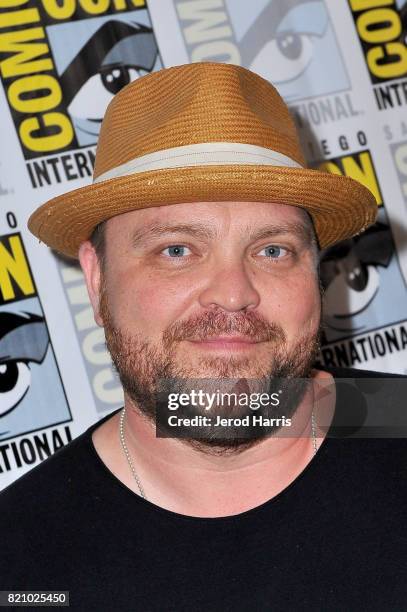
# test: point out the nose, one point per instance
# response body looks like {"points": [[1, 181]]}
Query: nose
{"points": [[229, 287]]}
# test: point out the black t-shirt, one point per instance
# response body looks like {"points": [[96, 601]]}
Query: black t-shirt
{"points": [[334, 540]]}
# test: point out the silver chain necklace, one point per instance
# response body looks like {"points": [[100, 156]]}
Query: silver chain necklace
{"points": [[130, 462], [126, 452]]}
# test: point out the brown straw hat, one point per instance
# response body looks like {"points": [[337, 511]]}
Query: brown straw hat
{"points": [[198, 133]]}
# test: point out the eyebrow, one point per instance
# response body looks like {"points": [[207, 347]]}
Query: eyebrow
{"points": [[302, 231]]}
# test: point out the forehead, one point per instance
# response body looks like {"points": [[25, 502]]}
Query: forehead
{"points": [[222, 216]]}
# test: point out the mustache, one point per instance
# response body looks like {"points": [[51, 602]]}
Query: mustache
{"points": [[210, 324], [215, 323]]}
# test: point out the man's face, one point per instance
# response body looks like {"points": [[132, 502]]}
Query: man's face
{"points": [[175, 276]]}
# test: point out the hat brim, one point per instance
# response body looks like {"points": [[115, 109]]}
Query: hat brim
{"points": [[340, 206]]}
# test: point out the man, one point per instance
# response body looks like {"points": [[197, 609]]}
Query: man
{"points": [[199, 243]]}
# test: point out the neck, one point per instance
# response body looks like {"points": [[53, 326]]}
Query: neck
{"points": [[185, 480]]}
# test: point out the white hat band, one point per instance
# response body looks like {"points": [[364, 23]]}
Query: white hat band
{"points": [[201, 154]]}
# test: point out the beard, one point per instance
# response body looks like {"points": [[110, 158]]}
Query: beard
{"points": [[150, 372]]}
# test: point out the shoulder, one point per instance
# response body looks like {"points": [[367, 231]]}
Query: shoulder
{"points": [[46, 478], [60, 482], [370, 404], [70, 465], [35, 509], [47, 512], [355, 373]]}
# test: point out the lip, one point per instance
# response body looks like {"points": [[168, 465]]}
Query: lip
{"points": [[226, 342]]}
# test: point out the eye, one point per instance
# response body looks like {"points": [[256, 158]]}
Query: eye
{"points": [[15, 380], [290, 54], [345, 297], [290, 44], [275, 252], [114, 78], [175, 250], [286, 56], [94, 96]]}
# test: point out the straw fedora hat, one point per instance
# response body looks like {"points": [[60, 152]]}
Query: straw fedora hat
{"points": [[199, 133]]}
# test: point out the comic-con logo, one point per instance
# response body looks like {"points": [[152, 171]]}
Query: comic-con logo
{"points": [[359, 274], [382, 28], [32, 396], [62, 62], [289, 42]]}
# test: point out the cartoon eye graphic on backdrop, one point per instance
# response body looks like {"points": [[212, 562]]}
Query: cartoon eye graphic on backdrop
{"points": [[280, 42], [113, 78], [94, 96], [23, 339], [342, 299], [15, 380], [287, 56], [116, 54], [349, 273]]}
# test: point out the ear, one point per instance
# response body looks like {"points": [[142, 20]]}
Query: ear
{"points": [[91, 268]]}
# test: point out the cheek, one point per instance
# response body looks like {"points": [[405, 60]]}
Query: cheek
{"points": [[144, 304], [295, 304]]}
